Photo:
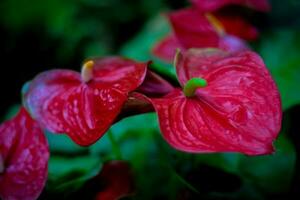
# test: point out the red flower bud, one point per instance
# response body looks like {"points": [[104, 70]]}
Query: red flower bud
{"points": [[234, 106], [24, 157], [85, 106]]}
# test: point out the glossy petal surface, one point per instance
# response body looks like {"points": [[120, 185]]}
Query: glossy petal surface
{"points": [[117, 179], [209, 5], [63, 103], [119, 73], [24, 153], [238, 111]]}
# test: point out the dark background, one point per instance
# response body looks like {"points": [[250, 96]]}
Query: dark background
{"points": [[40, 35]]}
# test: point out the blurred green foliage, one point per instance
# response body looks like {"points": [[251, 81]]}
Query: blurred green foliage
{"points": [[140, 46], [98, 26], [156, 163], [280, 49], [68, 174]]}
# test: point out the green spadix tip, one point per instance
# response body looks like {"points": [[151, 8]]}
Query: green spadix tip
{"points": [[193, 84]]}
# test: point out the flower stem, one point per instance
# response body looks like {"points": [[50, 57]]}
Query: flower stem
{"points": [[192, 85], [115, 147]]}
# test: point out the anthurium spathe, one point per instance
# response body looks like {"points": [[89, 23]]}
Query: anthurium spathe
{"points": [[236, 25], [209, 5], [231, 19], [83, 105], [194, 29], [24, 157], [228, 103]]}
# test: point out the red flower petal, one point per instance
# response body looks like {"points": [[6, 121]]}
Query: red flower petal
{"points": [[118, 182], [139, 102], [209, 5], [166, 48], [238, 26], [238, 111], [136, 103], [154, 85], [24, 152], [228, 43], [63, 103], [120, 73], [192, 29]]}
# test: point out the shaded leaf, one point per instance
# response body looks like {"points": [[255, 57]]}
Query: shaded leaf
{"points": [[66, 172], [62, 144], [271, 173]]}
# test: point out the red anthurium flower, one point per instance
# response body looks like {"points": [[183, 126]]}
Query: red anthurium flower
{"points": [[194, 29], [24, 157], [209, 5], [205, 25], [116, 179], [231, 21], [83, 106], [229, 103]]}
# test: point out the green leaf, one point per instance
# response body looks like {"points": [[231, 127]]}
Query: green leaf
{"points": [[128, 137], [140, 47], [280, 50], [228, 162], [12, 111], [271, 173], [136, 137], [71, 172], [62, 144]]}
